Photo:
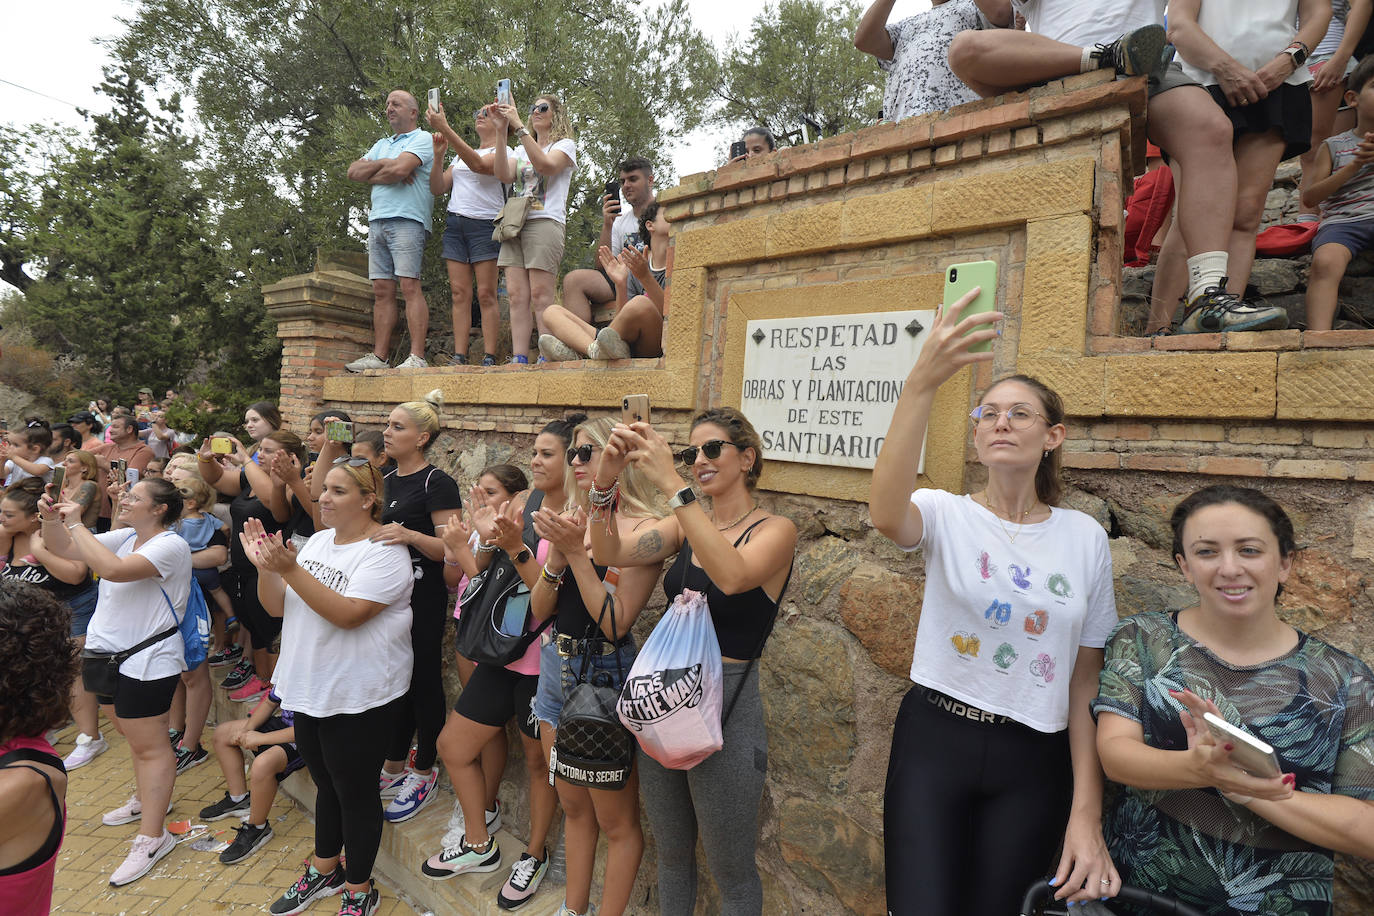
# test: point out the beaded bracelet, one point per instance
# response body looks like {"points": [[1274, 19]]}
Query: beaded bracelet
{"points": [[552, 579], [599, 498], [483, 547]]}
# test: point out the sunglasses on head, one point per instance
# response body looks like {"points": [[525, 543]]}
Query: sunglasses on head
{"points": [[351, 461], [539, 108], [582, 452], [712, 449]]}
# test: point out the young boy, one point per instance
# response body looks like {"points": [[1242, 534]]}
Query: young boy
{"points": [[1342, 182], [270, 733]]}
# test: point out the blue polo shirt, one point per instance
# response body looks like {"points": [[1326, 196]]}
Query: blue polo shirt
{"points": [[406, 201]]}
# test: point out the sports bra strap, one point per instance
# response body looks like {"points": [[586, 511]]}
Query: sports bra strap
{"points": [[54, 838], [29, 753]]}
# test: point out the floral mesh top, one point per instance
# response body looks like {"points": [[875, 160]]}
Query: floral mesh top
{"points": [[1315, 705]]}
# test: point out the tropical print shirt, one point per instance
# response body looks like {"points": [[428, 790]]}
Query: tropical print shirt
{"points": [[1315, 705]]}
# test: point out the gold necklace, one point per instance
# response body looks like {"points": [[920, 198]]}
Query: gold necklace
{"points": [[1021, 519], [738, 520]]}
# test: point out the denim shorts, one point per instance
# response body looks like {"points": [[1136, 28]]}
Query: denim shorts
{"points": [[469, 240], [395, 248], [558, 674], [82, 607]]}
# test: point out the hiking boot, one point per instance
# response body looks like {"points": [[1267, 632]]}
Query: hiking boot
{"points": [[458, 828], [414, 792], [238, 675], [143, 855], [552, 348], [226, 807], [461, 859], [1217, 310], [1138, 53], [311, 886], [524, 879], [247, 841], [86, 750], [370, 361], [359, 904]]}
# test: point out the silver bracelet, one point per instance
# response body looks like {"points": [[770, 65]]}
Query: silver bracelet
{"points": [[483, 547], [602, 498], [74, 526]]}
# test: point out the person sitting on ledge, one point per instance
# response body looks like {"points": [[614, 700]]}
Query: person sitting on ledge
{"points": [[914, 53], [637, 328], [586, 289], [1066, 37]]}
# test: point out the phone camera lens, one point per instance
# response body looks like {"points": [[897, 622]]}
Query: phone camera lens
{"points": [[954, 275]]}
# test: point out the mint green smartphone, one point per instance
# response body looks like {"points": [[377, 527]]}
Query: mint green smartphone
{"points": [[960, 279]]}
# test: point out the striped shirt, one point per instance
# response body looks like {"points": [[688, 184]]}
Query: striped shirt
{"points": [[1354, 200]]}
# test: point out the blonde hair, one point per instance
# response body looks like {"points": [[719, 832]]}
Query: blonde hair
{"points": [[89, 469], [198, 494], [638, 497], [426, 415], [561, 127], [367, 479]]}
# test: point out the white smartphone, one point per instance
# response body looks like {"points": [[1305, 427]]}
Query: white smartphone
{"points": [[503, 93], [1251, 754], [434, 99]]}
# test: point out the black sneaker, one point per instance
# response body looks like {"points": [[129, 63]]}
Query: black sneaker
{"points": [[247, 841], [226, 807], [1217, 310], [174, 736], [311, 886], [458, 359], [1138, 53], [226, 656], [187, 758], [239, 676], [359, 904]]}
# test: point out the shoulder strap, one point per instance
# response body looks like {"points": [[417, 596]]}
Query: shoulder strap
{"points": [[170, 605], [745, 534], [532, 504], [29, 753]]}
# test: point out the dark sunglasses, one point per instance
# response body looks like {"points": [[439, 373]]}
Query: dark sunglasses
{"points": [[583, 452], [540, 108], [479, 113], [712, 449], [351, 461]]}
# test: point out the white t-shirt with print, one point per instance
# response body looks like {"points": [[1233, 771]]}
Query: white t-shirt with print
{"points": [[1084, 25], [14, 473], [625, 229], [1251, 31], [918, 76], [126, 613], [326, 670], [1002, 621], [549, 193], [475, 196]]}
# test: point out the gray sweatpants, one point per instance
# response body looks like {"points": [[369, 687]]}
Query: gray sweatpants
{"points": [[720, 796]]}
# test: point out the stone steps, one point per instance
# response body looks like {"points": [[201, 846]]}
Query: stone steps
{"points": [[406, 845]]}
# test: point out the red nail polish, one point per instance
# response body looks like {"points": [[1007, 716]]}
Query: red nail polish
{"points": [[1290, 780], [1229, 747]]}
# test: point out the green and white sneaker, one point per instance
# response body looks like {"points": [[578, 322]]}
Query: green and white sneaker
{"points": [[461, 859], [310, 887]]}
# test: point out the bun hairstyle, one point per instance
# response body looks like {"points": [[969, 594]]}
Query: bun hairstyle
{"points": [[563, 428], [162, 492], [425, 414], [1049, 485], [195, 491], [742, 435], [25, 494], [35, 432]]}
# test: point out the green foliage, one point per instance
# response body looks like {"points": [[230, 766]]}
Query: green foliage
{"points": [[799, 62], [208, 408]]}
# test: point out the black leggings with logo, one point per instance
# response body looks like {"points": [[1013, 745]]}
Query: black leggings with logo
{"points": [[974, 810]]}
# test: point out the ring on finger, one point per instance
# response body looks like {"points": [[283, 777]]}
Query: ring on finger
{"points": [[1106, 882]]}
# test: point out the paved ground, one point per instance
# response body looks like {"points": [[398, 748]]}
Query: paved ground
{"points": [[187, 881]]}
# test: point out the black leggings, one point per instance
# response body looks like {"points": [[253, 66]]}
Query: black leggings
{"points": [[343, 754], [973, 812], [242, 585], [424, 709]]}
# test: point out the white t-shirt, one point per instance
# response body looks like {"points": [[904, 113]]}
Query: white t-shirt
{"points": [[1251, 31], [1087, 24], [625, 229], [549, 193], [325, 670], [1001, 622], [14, 473], [475, 196], [918, 76], [126, 613]]}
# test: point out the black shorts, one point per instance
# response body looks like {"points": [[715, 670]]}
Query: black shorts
{"points": [[1288, 110], [294, 760], [494, 694], [135, 699], [209, 581]]}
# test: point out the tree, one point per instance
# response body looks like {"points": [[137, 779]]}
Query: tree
{"points": [[799, 65]]}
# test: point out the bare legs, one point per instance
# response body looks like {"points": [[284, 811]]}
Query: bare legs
{"points": [[1323, 285], [460, 277], [583, 290], [384, 315], [84, 708], [155, 766], [639, 323], [994, 61]]}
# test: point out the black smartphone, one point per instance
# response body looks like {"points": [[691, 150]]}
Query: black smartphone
{"points": [[613, 192], [737, 149]]}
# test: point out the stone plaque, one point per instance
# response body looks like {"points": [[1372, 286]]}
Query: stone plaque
{"points": [[821, 390]]}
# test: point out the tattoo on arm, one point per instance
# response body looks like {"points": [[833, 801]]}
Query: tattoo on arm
{"points": [[648, 546]]}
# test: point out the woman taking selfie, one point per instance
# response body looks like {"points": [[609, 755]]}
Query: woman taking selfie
{"points": [[145, 579], [540, 169], [1017, 605], [740, 557], [345, 664], [1191, 823]]}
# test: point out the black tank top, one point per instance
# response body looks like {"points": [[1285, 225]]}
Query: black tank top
{"points": [[743, 622]]}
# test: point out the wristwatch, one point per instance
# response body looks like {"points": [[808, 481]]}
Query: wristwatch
{"points": [[682, 497], [522, 133], [1298, 52], [523, 556]]}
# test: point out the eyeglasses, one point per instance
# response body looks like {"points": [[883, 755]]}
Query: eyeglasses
{"points": [[351, 461], [582, 452], [1019, 416], [539, 108], [712, 449]]}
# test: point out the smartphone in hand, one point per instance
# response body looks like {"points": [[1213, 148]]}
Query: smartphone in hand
{"points": [[634, 408], [59, 476], [962, 278], [1252, 755], [219, 445], [434, 99], [737, 149], [503, 93], [339, 431]]}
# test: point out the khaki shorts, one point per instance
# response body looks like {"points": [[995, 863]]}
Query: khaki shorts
{"points": [[539, 246], [1172, 78]]}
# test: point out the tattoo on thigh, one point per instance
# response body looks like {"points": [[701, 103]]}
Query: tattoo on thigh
{"points": [[650, 543]]}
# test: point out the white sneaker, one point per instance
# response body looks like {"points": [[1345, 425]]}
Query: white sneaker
{"points": [[555, 350], [126, 813], [611, 345], [389, 784], [413, 362], [370, 361], [86, 750], [458, 825], [146, 852]]}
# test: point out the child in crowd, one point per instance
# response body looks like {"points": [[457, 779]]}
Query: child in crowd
{"points": [[1343, 184], [24, 453], [156, 467], [369, 444], [270, 733], [198, 527]]}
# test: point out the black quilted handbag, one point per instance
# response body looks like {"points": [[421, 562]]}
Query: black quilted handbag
{"points": [[593, 748]]}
